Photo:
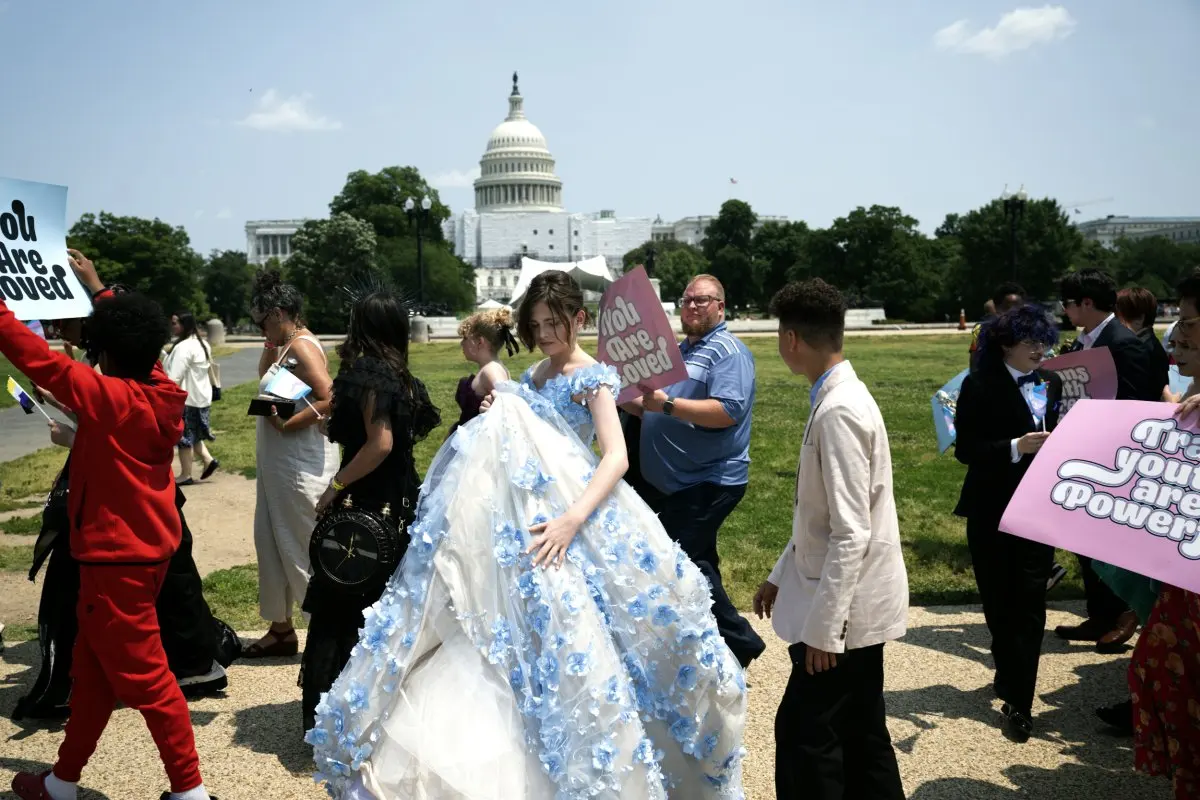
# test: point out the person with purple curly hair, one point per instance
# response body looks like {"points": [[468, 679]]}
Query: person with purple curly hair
{"points": [[1006, 410]]}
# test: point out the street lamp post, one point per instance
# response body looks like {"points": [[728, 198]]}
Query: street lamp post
{"points": [[422, 215], [1014, 209]]}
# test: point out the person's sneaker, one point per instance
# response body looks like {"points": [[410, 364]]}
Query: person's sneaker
{"points": [[167, 796], [206, 685], [1057, 573], [28, 786]]}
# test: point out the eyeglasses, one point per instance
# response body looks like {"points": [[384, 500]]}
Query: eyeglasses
{"points": [[699, 301]]}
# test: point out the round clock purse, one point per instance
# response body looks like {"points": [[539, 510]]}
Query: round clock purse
{"points": [[356, 549]]}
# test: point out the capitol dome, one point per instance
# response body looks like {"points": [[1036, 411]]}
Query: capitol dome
{"points": [[516, 172]]}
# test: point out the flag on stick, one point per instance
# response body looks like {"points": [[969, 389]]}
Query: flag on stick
{"points": [[23, 399]]}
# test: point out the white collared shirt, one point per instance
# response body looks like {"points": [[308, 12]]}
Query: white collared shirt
{"points": [[1089, 339], [1016, 456]]}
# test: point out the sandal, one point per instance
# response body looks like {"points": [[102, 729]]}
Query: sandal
{"points": [[281, 646]]}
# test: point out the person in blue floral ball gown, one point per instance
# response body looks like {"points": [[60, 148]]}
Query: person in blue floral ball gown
{"points": [[543, 638]]}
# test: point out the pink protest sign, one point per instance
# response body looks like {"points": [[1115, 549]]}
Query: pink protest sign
{"points": [[636, 337], [1118, 481], [1086, 375]]}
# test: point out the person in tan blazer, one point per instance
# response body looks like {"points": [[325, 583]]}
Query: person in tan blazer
{"points": [[839, 590]]}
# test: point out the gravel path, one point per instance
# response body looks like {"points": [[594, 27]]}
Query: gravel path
{"points": [[941, 716]]}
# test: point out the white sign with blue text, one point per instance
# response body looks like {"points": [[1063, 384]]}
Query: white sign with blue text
{"points": [[36, 280]]}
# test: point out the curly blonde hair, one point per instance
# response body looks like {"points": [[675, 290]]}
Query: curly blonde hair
{"points": [[495, 327]]}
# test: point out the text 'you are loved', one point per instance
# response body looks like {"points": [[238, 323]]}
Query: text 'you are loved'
{"points": [[24, 274], [1163, 481], [629, 347]]}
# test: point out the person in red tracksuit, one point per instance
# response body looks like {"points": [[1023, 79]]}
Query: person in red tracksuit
{"points": [[124, 529]]}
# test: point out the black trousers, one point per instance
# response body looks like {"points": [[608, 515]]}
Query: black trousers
{"points": [[1102, 603], [1011, 573], [831, 736], [693, 518]]}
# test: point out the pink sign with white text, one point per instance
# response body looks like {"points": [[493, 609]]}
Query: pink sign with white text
{"points": [[1118, 481], [1086, 375], [636, 337]]}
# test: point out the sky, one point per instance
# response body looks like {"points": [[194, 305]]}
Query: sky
{"points": [[210, 114]]}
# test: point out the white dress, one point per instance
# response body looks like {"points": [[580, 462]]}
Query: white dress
{"points": [[294, 469], [478, 676]]}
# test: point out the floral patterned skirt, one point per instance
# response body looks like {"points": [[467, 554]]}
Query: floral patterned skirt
{"points": [[1164, 680]]}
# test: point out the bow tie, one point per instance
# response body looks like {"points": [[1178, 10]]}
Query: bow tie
{"points": [[1024, 379]]}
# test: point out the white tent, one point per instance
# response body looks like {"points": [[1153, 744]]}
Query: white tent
{"points": [[592, 274], [489, 305]]}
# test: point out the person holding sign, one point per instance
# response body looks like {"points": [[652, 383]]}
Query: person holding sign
{"points": [[1006, 410], [1089, 299], [125, 528], [695, 447], [839, 591]]}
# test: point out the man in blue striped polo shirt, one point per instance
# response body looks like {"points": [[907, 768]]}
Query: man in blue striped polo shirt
{"points": [[695, 447]]}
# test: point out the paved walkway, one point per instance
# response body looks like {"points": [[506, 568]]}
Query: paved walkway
{"points": [[942, 718], [24, 433]]}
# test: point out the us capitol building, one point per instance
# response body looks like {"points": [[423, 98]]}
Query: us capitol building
{"points": [[518, 213]]}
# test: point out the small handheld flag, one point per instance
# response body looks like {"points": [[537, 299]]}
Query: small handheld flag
{"points": [[1038, 402], [288, 386], [23, 399]]}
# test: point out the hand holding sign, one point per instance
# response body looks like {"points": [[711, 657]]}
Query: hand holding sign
{"points": [[636, 337], [35, 279]]}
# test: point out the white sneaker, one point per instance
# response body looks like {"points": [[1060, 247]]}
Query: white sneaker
{"points": [[210, 682]]}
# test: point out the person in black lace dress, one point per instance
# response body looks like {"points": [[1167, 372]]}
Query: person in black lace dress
{"points": [[484, 334], [380, 410]]}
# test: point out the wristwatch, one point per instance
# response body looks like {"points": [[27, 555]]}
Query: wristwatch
{"points": [[669, 406]]}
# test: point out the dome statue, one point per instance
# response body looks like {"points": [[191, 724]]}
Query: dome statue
{"points": [[516, 172]]}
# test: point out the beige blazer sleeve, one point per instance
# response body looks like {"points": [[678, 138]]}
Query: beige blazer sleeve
{"points": [[844, 442]]}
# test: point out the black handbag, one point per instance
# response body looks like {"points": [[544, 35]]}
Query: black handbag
{"points": [[357, 549]]}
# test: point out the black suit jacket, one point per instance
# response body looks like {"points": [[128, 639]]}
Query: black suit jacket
{"points": [[1137, 375], [1160, 362], [990, 413]]}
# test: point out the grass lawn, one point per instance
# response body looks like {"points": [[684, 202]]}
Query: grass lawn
{"points": [[902, 372]]}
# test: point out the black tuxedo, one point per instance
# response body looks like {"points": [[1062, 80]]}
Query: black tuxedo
{"points": [[1140, 376], [1011, 572]]}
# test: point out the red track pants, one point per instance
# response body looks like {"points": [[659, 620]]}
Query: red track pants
{"points": [[119, 657]]}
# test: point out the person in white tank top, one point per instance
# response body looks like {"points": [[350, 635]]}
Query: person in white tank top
{"points": [[295, 463]]}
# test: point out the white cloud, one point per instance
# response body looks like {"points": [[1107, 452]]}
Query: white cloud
{"points": [[1017, 30], [224, 213], [277, 113], [455, 179]]}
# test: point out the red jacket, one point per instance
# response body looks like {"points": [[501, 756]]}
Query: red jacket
{"points": [[121, 484]]}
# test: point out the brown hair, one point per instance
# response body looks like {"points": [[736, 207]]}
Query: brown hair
{"points": [[562, 296], [494, 327], [1137, 305], [704, 276]]}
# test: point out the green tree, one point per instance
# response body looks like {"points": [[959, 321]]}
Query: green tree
{"points": [[330, 256], [781, 254], [227, 282], [1047, 246], [1153, 262], [877, 255], [149, 256], [378, 199], [728, 246], [675, 264]]}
